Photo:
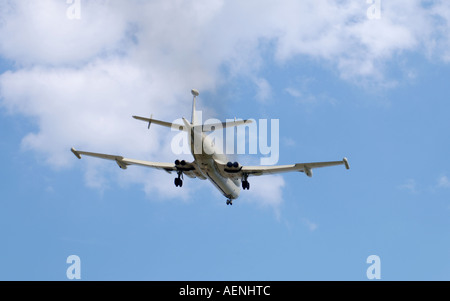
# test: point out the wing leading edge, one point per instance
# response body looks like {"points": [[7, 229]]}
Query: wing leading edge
{"points": [[125, 162]]}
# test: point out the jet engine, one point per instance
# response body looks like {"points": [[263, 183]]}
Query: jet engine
{"points": [[180, 163], [234, 165]]}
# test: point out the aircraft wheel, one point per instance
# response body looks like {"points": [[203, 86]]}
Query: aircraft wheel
{"points": [[245, 185]]}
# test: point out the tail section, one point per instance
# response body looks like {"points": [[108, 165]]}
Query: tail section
{"points": [[195, 93], [186, 127], [194, 122]]}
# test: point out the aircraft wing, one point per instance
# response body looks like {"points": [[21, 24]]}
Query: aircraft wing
{"points": [[125, 162], [299, 167]]}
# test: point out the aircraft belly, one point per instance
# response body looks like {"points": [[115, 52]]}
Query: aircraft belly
{"points": [[225, 185]]}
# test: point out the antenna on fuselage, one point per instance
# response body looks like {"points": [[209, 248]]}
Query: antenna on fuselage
{"points": [[150, 121], [195, 93]]}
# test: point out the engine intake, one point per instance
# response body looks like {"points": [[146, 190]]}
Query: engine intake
{"points": [[182, 162], [233, 165]]}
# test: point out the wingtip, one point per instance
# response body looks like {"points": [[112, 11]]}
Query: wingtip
{"points": [[77, 154], [347, 166]]}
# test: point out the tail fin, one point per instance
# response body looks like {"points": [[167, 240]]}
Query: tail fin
{"points": [[195, 93]]}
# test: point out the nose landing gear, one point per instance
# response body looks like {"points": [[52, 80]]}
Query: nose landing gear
{"points": [[229, 202]]}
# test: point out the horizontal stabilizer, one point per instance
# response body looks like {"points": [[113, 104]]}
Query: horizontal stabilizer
{"points": [[222, 125], [162, 123]]}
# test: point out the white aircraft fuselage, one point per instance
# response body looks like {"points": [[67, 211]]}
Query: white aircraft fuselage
{"points": [[207, 164]]}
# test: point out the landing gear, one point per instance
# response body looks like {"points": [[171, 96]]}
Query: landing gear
{"points": [[179, 181], [229, 202], [245, 183]]}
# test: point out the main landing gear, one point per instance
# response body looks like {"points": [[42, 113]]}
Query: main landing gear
{"points": [[179, 180], [245, 183], [229, 202]]}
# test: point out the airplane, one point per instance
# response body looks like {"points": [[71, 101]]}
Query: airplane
{"points": [[209, 163]]}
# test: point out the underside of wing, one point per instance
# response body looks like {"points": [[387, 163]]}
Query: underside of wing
{"points": [[189, 169], [277, 169], [125, 162]]}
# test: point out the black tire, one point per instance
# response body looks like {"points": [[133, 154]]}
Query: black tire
{"points": [[245, 185]]}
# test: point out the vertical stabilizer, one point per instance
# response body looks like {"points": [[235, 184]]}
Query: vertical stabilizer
{"points": [[195, 93]]}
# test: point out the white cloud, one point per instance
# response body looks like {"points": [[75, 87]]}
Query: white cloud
{"points": [[81, 80], [34, 32], [311, 226], [410, 185], [200, 33], [90, 107], [443, 182], [264, 90], [288, 142], [267, 191], [303, 95], [294, 92]]}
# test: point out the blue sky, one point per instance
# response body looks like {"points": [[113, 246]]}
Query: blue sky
{"points": [[341, 84]]}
